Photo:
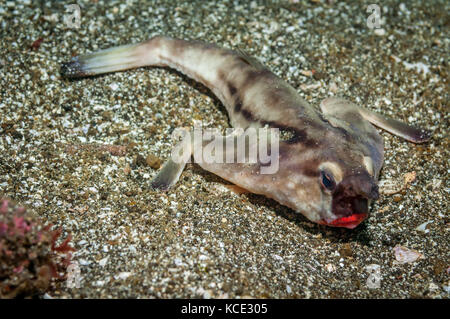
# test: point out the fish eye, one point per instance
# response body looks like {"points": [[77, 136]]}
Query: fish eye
{"points": [[327, 180]]}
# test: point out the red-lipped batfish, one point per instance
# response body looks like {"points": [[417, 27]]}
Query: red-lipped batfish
{"points": [[328, 164]]}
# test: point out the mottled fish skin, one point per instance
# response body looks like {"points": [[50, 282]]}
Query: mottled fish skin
{"points": [[329, 165]]}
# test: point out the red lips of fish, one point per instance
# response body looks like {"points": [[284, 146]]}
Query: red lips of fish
{"points": [[350, 203], [349, 222]]}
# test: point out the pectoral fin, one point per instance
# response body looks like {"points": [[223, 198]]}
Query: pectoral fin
{"points": [[168, 175], [346, 111], [172, 169], [344, 114], [409, 133]]}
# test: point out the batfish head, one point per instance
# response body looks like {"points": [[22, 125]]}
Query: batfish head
{"points": [[331, 173], [331, 184], [346, 204]]}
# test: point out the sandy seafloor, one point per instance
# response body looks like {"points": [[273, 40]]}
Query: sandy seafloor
{"points": [[57, 153]]}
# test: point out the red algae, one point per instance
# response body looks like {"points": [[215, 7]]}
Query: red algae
{"points": [[29, 256]]}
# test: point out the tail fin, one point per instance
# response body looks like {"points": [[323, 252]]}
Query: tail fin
{"points": [[106, 61]]}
